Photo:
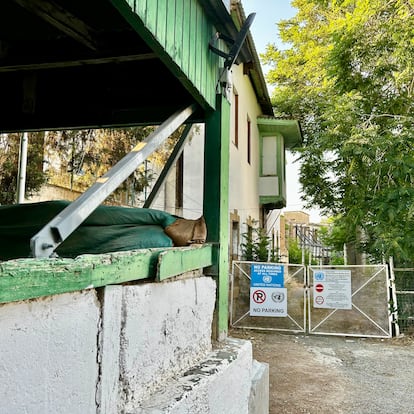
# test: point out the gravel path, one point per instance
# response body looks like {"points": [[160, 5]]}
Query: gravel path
{"points": [[326, 374]]}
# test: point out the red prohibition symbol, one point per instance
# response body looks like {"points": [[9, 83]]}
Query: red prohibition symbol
{"points": [[319, 287], [259, 296]]}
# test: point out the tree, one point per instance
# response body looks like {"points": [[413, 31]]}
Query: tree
{"points": [[347, 75], [76, 158], [9, 165], [295, 252], [335, 236], [256, 244]]}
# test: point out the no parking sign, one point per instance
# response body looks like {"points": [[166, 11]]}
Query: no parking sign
{"points": [[268, 297]]}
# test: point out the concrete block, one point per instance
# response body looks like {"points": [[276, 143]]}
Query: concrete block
{"points": [[166, 328], [259, 392], [48, 354], [108, 396], [220, 384]]}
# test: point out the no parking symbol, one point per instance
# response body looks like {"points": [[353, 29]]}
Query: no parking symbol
{"points": [[268, 302], [259, 296]]}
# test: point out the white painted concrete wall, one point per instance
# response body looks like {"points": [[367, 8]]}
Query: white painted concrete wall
{"points": [[108, 351], [220, 384], [160, 348], [48, 355]]}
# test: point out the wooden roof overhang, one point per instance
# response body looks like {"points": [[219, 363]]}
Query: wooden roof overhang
{"points": [[102, 63]]}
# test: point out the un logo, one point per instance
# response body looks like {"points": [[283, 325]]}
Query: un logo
{"points": [[319, 276]]}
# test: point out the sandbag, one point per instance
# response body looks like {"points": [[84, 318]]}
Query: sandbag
{"points": [[107, 229]]}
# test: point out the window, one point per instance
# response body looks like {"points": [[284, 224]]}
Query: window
{"points": [[235, 240], [236, 119], [249, 143]]}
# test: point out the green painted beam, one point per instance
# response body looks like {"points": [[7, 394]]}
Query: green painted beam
{"points": [[216, 204], [177, 261], [32, 278]]}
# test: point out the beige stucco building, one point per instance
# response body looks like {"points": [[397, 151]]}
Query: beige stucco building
{"points": [[258, 141]]}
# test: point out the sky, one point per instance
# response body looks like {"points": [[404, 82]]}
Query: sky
{"points": [[264, 31]]}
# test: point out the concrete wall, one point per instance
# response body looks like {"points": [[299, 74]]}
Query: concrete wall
{"points": [[143, 348], [48, 354]]}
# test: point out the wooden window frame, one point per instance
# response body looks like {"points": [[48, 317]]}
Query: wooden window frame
{"points": [[249, 141], [236, 120]]}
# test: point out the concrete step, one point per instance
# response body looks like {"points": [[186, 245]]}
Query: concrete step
{"points": [[220, 384]]}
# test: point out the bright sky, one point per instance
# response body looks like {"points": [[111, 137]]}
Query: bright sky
{"points": [[264, 30]]}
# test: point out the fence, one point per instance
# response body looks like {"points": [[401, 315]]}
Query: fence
{"points": [[350, 301], [329, 300], [295, 285], [404, 292]]}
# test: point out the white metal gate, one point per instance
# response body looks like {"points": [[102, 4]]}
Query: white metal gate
{"points": [[295, 284], [369, 314]]}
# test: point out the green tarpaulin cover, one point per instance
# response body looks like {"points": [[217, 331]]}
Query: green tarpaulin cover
{"points": [[107, 229]]}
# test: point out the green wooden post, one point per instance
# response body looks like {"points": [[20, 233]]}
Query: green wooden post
{"points": [[216, 204]]}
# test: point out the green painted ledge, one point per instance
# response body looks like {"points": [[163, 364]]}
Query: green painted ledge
{"points": [[177, 261], [32, 278]]}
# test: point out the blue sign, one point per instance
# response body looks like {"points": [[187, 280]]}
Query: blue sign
{"points": [[266, 275], [319, 276]]}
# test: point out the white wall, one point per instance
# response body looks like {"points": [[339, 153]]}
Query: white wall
{"points": [[244, 192], [193, 175], [48, 355], [160, 348], [109, 351]]}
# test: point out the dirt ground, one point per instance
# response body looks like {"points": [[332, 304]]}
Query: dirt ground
{"points": [[339, 375]]}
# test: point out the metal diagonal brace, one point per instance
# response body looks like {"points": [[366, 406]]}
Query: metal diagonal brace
{"points": [[178, 149], [236, 44], [44, 243]]}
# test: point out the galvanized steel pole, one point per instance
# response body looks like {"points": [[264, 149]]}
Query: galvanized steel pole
{"points": [[21, 176]]}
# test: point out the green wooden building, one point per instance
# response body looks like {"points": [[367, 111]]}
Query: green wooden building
{"points": [[86, 64]]}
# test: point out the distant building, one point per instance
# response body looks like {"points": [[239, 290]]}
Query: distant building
{"points": [[299, 228]]}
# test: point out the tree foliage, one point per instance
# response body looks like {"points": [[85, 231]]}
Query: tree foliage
{"points": [[348, 76], [76, 158], [295, 252], [9, 165], [256, 244]]}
